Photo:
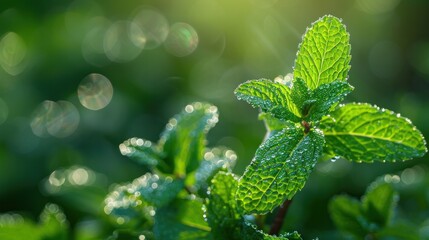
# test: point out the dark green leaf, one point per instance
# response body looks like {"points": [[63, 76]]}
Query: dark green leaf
{"points": [[137, 198], [326, 97], [347, 216], [324, 54], [361, 132], [300, 94], [280, 168], [270, 96], [215, 159], [222, 213], [379, 202], [140, 150], [183, 141], [181, 221]]}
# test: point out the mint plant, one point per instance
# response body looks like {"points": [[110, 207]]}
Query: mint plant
{"points": [[306, 123], [373, 216], [190, 192]]}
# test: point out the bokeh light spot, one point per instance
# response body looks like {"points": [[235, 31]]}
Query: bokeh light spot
{"points": [[59, 119], [92, 50], [4, 111], [182, 40], [153, 25], [123, 41], [78, 176], [12, 53], [95, 91]]}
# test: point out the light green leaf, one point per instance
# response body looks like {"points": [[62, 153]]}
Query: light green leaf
{"points": [[183, 141], [270, 96], [327, 96], [140, 150], [324, 54], [280, 168], [361, 132], [52, 226], [251, 233], [272, 123], [400, 231], [221, 209], [346, 214], [379, 202], [183, 220], [138, 198]]}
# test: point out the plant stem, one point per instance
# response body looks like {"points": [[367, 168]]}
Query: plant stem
{"points": [[278, 221]]}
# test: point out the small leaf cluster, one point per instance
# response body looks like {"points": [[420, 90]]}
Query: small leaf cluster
{"points": [[305, 122], [373, 216], [189, 192]]}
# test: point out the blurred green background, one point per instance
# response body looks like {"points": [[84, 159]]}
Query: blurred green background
{"points": [[79, 77]]}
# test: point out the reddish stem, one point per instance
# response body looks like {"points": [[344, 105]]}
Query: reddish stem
{"points": [[278, 221]]}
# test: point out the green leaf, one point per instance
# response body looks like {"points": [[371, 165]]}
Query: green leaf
{"points": [[361, 132], [183, 141], [346, 214], [400, 231], [251, 233], [327, 96], [379, 202], [183, 220], [137, 198], [272, 123], [140, 150], [221, 209], [215, 160], [280, 168], [270, 96], [324, 54], [300, 94]]}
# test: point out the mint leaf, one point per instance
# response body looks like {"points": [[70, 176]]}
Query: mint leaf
{"points": [[300, 94], [52, 226], [138, 198], [183, 141], [280, 168], [324, 54], [251, 233], [400, 231], [361, 132], [221, 209], [272, 123], [183, 220], [326, 96], [140, 150], [379, 202], [215, 159], [346, 214], [270, 96]]}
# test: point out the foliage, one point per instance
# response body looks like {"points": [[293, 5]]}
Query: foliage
{"points": [[313, 120], [190, 191], [373, 216]]}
